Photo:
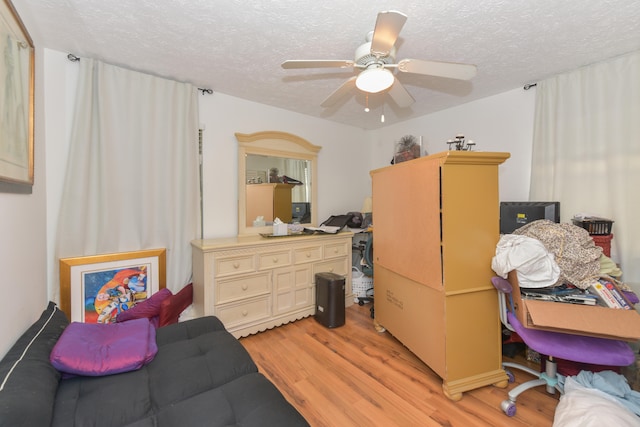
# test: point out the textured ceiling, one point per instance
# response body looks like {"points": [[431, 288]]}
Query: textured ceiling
{"points": [[236, 46]]}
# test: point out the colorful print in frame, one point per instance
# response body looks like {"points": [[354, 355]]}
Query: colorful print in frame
{"points": [[94, 289]]}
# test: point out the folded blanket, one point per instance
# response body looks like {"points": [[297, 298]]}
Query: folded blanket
{"points": [[95, 349], [536, 267]]}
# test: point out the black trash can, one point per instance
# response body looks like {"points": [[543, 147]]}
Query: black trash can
{"points": [[330, 299]]}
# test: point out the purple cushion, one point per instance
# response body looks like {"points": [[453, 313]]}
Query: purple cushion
{"points": [[145, 309], [172, 307], [576, 348], [95, 349]]}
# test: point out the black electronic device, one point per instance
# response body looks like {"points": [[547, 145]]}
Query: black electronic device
{"points": [[514, 215], [301, 212]]}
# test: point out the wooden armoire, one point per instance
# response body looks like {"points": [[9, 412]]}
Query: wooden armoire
{"points": [[270, 201], [436, 226]]}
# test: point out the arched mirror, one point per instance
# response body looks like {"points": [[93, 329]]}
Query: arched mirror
{"points": [[276, 179]]}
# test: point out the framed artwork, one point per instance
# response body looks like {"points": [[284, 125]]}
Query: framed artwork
{"points": [[16, 101], [94, 289]]}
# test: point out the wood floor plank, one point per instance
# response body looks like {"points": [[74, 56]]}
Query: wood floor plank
{"points": [[356, 376]]}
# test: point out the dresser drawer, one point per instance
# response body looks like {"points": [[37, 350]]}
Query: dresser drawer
{"points": [[337, 266], [307, 254], [274, 260], [233, 315], [336, 249], [233, 289], [235, 265]]}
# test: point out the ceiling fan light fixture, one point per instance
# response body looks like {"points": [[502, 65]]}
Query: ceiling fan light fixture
{"points": [[374, 80]]}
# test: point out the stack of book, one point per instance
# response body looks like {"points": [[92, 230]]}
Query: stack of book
{"points": [[609, 295], [604, 292], [564, 293]]}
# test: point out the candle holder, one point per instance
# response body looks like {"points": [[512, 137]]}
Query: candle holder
{"points": [[460, 144]]}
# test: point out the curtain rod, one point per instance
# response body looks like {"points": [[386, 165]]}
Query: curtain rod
{"points": [[71, 57], [529, 86]]}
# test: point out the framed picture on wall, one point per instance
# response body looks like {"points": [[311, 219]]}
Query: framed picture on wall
{"points": [[16, 101], [94, 289]]}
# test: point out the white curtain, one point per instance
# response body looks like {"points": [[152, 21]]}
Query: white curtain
{"points": [[297, 169], [132, 174], [586, 150]]}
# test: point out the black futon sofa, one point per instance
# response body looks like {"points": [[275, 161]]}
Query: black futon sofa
{"points": [[201, 376]]}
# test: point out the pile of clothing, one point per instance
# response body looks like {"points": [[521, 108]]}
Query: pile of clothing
{"points": [[545, 253], [596, 399]]}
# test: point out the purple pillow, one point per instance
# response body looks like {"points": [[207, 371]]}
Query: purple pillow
{"points": [[172, 307], [145, 309], [95, 349]]}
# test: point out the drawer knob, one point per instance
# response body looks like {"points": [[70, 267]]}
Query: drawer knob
{"points": [[236, 265], [336, 250], [275, 260], [244, 313], [245, 287], [308, 254], [331, 270]]}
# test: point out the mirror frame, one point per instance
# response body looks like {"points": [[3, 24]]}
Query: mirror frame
{"points": [[274, 144]]}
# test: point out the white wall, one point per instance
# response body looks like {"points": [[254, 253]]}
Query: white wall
{"points": [[342, 162], [502, 122], [59, 93], [23, 244]]}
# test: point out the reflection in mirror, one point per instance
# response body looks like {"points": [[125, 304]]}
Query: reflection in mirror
{"points": [[277, 173], [278, 187]]}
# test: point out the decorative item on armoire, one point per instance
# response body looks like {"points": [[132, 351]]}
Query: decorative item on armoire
{"points": [[460, 144], [407, 148]]}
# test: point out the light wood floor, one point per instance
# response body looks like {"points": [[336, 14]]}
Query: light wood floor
{"points": [[356, 376]]}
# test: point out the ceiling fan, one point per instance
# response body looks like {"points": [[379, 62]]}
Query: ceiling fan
{"points": [[376, 57]]}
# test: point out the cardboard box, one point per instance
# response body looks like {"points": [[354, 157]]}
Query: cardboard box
{"points": [[576, 319]]}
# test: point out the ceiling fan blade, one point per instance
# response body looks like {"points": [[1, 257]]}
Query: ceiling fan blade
{"points": [[317, 63], [385, 34], [450, 70], [400, 96], [343, 90]]}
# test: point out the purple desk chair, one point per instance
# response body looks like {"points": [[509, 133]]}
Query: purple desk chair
{"points": [[576, 348]]}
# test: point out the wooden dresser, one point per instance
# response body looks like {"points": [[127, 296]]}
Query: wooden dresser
{"points": [[254, 283], [435, 231]]}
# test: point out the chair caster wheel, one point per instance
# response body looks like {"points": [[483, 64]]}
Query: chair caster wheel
{"points": [[508, 407], [510, 375], [360, 303]]}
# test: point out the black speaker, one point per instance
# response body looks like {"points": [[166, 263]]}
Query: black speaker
{"points": [[330, 299]]}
